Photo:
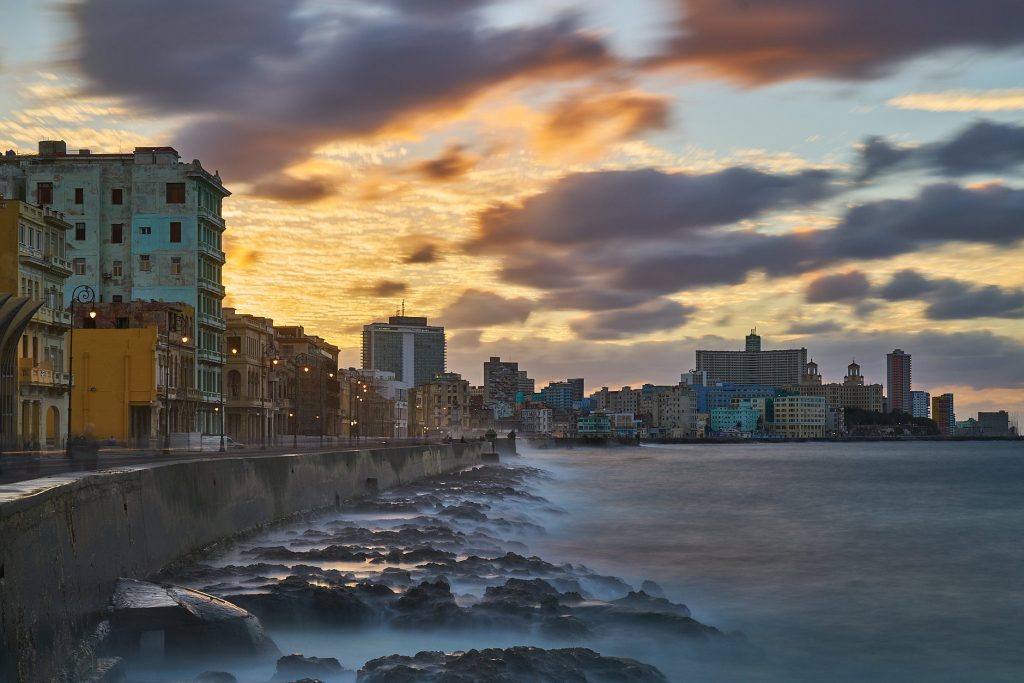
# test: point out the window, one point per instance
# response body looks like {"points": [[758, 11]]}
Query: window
{"points": [[175, 265], [117, 269], [117, 298], [175, 232], [79, 266], [144, 265], [80, 231], [121, 323], [117, 233], [116, 195], [44, 193], [175, 193], [79, 195], [145, 230]]}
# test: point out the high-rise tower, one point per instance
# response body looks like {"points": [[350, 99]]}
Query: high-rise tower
{"points": [[897, 378]]}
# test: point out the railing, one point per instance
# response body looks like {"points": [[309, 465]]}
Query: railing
{"points": [[52, 316], [211, 251], [212, 321], [212, 286], [211, 356], [206, 214], [41, 376], [60, 263]]}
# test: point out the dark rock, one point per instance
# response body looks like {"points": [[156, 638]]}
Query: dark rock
{"points": [[296, 602], [430, 604], [652, 589], [566, 627], [512, 665], [294, 666], [215, 677], [641, 601]]}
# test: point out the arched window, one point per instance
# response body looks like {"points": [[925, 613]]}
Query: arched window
{"points": [[234, 384]]}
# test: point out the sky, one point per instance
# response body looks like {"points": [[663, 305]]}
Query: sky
{"points": [[593, 189]]}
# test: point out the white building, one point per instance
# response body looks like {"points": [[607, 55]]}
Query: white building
{"points": [[407, 347], [537, 420], [920, 403]]}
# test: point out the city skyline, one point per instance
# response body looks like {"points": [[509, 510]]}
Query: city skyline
{"points": [[597, 195]]}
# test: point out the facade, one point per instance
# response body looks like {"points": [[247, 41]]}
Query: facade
{"points": [[407, 347], [752, 365], [994, 423], [557, 395], [537, 420], [34, 265], [180, 405], [897, 381], [445, 403], [920, 402], [525, 387], [852, 393], [798, 417], [376, 405], [145, 227], [15, 314], [943, 414], [741, 418], [577, 387], [502, 381], [596, 425], [308, 364], [256, 392]]}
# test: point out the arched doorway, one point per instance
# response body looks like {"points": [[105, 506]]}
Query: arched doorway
{"points": [[53, 427]]}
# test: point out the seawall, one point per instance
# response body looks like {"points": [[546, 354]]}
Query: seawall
{"points": [[63, 547]]}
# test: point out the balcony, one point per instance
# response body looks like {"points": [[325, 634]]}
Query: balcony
{"points": [[57, 317], [211, 251], [212, 218], [41, 376], [211, 286], [207, 356], [212, 321]]}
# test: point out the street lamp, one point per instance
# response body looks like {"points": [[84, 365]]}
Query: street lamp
{"points": [[83, 294]]}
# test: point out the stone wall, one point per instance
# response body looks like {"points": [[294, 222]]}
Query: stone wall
{"points": [[62, 548]]}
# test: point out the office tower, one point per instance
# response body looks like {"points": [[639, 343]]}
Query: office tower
{"points": [[753, 366], [406, 346], [943, 415], [919, 403], [897, 378]]}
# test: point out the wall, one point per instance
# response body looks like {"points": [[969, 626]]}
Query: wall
{"points": [[62, 548]]}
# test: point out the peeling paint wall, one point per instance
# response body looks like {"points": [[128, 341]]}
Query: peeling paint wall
{"points": [[62, 549]]}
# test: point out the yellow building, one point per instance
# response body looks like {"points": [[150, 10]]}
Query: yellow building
{"points": [[115, 393], [33, 265]]}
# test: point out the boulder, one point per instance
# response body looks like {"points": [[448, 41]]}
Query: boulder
{"points": [[215, 677], [296, 666]]}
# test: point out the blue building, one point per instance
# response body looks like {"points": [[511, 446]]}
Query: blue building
{"points": [[727, 395]]}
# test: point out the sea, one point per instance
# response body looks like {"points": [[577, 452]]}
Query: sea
{"points": [[877, 562]]}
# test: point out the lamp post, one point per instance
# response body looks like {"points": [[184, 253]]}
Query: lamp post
{"points": [[263, 411], [83, 294], [223, 411]]}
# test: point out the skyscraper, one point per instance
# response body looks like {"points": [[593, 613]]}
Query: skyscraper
{"points": [[145, 227], [502, 380], [752, 365], [920, 402], [943, 415], [897, 381], [406, 346]]}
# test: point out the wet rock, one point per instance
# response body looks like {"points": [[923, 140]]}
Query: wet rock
{"points": [[565, 627], [652, 589], [430, 604], [164, 621], [295, 666], [641, 601], [296, 602], [215, 677], [512, 665]]}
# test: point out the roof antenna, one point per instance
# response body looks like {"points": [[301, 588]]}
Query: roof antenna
{"points": [[403, 308]]}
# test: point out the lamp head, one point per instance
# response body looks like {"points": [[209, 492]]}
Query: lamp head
{"points": [[184, 339], [92, 313]]}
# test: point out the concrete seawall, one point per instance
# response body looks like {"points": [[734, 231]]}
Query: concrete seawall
{"points": [[63, 547]]}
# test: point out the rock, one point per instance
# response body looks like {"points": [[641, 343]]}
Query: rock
{"points": [[512, 665], [641, 601], [296, 602], [215, 677], [294, 666], [566, 627], [652, 589], [430, 605], [165, 621]]}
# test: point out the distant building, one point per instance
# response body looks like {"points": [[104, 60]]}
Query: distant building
{"points": [[34, 265], [799, 417], [317, 406], [558, 395], [741, 418], [754, 366], [444, 402], [943, 414], [406, 346], [502, 381], [920, 403], [852, 393], [577, 388], [537, 420], [145, 227], [897, 381], [994, 424]]}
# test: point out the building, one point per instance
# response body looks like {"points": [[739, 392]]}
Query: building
{"points": [[34, 265], [377, 405], [179, 410], [851, 393], [315, 396], [897, 381], [557, 396], [597, 425], [994, 423], [943, 414], [577, 388], [726, 394], [798, 417], [752, 365], [407, 347], [145, 227], [525, 387], [502, 381], [444, 403], [256, 383], [920, 402], [741, 418], [15, 314], [537, 420]]}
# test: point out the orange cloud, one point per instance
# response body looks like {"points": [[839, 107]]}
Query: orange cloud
{"points": [[589, 121]]}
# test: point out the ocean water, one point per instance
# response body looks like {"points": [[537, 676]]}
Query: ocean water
{"points": [[839, 562]]}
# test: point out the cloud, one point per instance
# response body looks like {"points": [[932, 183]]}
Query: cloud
{"points": [[477, 308], [453, 163], [590, 120], [1000, 99], [852, 286], [756, 43], [590, 207], [423, 254], [982, 147], [464, 339], [654, 316], [295, 190], [264, 84], [386, 288], [951, 299], [820, 327]]}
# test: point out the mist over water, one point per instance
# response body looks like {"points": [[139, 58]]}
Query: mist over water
{"points": [[880, 562], [841, 562]]}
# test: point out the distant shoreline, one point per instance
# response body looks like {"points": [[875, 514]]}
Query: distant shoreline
{"points": [[553, 443]]}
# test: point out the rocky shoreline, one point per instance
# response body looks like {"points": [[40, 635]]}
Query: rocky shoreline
{"points": [[447, 555]]}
